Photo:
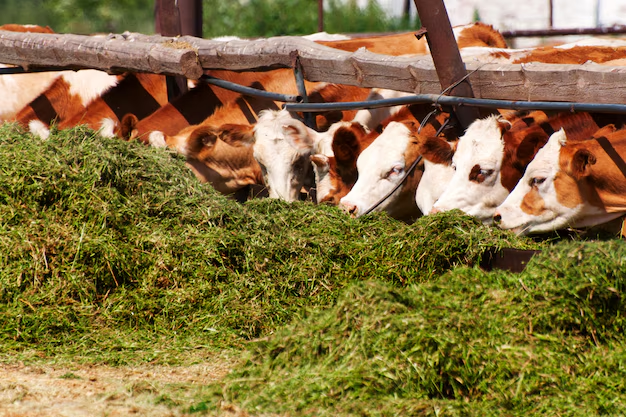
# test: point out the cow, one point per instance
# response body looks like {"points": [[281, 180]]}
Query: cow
{"points": [[597, 50], [569, 183], [474, 34], [19, 89], [336, 173], [492, 155], [211, 105], [141, 93], [14, 27], [221, 156], [375, 180], [203, 100], [69, 93]]}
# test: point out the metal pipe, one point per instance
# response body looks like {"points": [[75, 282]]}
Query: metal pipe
{"points": [[251, 91], [309, 119], [20, 70], [455, 101], [446, 56], [563, 32]]}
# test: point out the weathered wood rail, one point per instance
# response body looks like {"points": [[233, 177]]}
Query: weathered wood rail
{"points": [[188, 56]]}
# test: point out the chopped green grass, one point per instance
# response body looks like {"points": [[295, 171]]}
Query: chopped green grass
{"points": [[112, 252], [469, 342]]}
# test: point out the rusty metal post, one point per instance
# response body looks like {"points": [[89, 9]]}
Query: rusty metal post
{"points": [[320, 15], [446, 56], [167, 23], [550, 14], [190, 17]]}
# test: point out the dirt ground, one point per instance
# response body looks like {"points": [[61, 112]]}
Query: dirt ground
{"points": [[89, 391]]}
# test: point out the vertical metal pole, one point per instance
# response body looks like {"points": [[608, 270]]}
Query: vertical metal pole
{"points": [[406, 10], [190, 17], [446, 56], [309, 118], [550, 14], [320, 15], [167, 23]]}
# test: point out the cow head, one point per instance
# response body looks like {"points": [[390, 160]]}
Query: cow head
{"points": [[476, 186], [335, 175], [382, 166], [282, 147], [222, 156], [555, 191]]}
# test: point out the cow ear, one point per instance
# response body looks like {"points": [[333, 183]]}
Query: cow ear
{"points": [[203, 137], [127, 126], [326, 119], [320, 161], [436, 150], [504, 125], [299, 136], [581, 163], [412, 125], [529, 146], [604, 131], [345, 146], [237, 135]]}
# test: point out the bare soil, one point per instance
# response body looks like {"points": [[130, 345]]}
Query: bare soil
{"points": [[48, 390]]}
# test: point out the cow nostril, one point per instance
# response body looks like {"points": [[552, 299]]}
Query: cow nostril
{"points": [[349, 208], [497, 218]]}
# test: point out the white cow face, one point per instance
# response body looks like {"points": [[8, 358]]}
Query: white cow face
{"points": [[323, 183], [532, 206], [475, 187], [435, 179], [381, 166], [549, 198], [286, 169]]}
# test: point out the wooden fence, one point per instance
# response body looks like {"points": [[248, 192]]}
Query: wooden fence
{"points": [[188, 56]]}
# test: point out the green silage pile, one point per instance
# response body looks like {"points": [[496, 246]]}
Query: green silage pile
{"points": [[112, 252]]}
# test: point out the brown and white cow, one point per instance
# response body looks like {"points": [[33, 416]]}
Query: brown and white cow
{"points": [[212, 105], [381, 166], [474, 34], [336, 174], [569, 183], [221, 156], [493, 153], [596, 50], [139, 93], [19, 89], [69, 93]]}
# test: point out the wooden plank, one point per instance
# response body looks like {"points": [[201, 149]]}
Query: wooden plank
{"points": [[592, 83], [98, 52]]}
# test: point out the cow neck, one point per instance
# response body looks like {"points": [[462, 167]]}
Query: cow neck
{"points": [[521, 145]]}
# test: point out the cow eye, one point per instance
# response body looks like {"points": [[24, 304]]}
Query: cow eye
{"points": [[486, 172], [395, 171], [536, 181], [453, 166]]}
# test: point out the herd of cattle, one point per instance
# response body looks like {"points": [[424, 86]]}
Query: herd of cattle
{"points": [[526, 171]]}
